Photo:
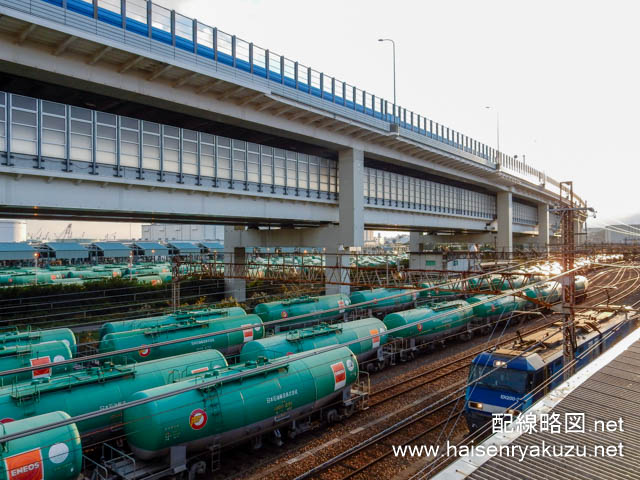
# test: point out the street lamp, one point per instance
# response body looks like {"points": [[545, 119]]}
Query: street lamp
{"points": [[35, 258], [497, 131], [131, 265], [394, 74]]}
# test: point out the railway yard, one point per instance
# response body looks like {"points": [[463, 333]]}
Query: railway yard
{"points": [[403, 379], [219, 261]]}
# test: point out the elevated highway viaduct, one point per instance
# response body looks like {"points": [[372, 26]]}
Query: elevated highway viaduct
{"points": [[122, 110]]}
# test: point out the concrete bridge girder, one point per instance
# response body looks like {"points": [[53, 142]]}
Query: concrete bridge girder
{"points": [[173, 83], [213, 92]]}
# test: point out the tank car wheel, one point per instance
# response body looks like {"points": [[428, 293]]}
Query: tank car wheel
{"points": [[381, 364], [348, 410], [466, 336], [332, 416]]}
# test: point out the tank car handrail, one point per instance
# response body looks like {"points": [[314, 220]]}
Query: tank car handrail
{"points": [[262, 324], [221, 379]]}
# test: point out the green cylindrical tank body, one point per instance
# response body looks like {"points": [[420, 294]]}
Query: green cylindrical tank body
{"points": [[377, 297], [90, 274], [272, 311], [582, 284], [507, 282], [235, 410], [147, 322], [68, 281], [149, 279], [440, 289], [17, 337], [54, 454], [18, 356], [296, 341], [97, 388], [43, 278], [22, 279], [494, 306], [165, 277], [483, 283], [227, 343], [451, 316], [550, 292]]}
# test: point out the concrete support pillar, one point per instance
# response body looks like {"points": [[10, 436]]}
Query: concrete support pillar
{"points": [[234, 258], [350, 230], [337, 273], [351, 199], [416, 245], [504, 206], [543, 227]]}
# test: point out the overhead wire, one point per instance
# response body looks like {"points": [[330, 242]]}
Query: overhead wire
{"points": [[546, 382], [543, 385], [209, 383], [340, 309]]}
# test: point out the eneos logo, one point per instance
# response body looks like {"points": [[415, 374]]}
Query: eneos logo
{"points": [[419, 327], [284, 314], [40, 372], [247, 334], [198, 419], [25, 466], [7, 420], [375, 340], [144, 352], [339, 376]]}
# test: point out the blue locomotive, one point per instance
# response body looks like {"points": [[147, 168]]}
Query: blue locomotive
{"points": [[511, 379]]}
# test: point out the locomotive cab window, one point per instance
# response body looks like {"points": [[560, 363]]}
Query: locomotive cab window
{"points": [[516, 381]]}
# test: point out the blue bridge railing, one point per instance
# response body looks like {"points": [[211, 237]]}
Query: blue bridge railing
{"points": [[168, 27]]}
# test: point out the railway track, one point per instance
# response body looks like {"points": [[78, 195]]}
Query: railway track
{"points": [[633, 287], [358, 460], [397, 391]]}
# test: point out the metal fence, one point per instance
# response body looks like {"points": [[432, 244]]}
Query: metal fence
{"points": [[171, 33]]}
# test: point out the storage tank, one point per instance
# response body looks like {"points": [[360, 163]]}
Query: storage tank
{"points": [[318, 336], [439, 321], [279, 310], [54, 454], [379, 301], [97, 388], [32, 337], [239, 409], [491, 308], [13, 231], [228, 343], [19, 356], [147, 322]]}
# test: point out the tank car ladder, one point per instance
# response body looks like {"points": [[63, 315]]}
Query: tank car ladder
{"points": [[361, 390]]}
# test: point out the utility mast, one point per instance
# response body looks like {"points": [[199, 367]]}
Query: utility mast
{"points": [[567, 212]]}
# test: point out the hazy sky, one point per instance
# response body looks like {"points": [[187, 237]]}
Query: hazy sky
{"points": [[564, 75]]}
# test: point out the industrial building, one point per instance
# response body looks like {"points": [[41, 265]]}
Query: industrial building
{"points": [[168, 232]]}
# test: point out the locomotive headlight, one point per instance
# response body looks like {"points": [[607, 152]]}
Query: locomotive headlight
{"points": [[476, 405], [499, 363], [511, 411]]}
